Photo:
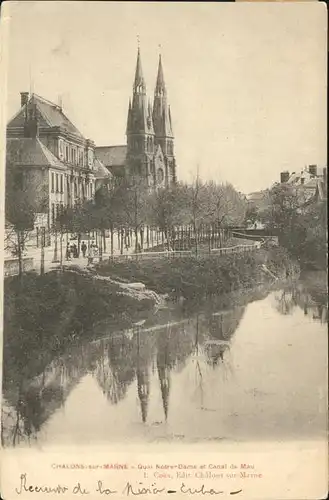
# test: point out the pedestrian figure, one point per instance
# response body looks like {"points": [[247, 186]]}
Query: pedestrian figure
{"points": [[68, 252], [90, 255], [72, 250], [83, 249], [75, 251]]}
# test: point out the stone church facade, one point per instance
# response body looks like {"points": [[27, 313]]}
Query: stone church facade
{"points": [[149, 155]]}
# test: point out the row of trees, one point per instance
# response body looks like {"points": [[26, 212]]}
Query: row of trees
{"points": [[131, 210], [132, 213]]}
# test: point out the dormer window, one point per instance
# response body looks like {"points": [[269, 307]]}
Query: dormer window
{"points": [[90, 158], [60, 149]]}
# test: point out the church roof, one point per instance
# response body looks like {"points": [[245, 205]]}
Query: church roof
{"points": [[31, 152], [112, 156], [101, 171], [51, 114]]}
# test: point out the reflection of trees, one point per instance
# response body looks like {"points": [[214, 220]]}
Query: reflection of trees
{"points": [[221, 326], [143, 372], [312, 301], [115, 369], [33, 399]]}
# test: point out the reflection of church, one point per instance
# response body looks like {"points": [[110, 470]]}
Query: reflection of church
{"points": [[149, 154]]}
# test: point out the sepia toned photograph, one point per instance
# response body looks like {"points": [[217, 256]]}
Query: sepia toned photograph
{"points": [[165, 226]]}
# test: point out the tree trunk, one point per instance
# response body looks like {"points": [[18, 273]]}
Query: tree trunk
{"points": [[100, 247], [20, 255], [42, 258], [61, 250], [79, 241], [142, 238], [112, 236], [136, 239], [121, 240], [196, 239], [55, 259], [104, 240]]}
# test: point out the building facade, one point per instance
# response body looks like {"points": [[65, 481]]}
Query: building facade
{"points": [[149, 154], [49, 157], [309, 183]]}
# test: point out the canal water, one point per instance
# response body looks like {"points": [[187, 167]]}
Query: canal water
{"points": [[254, 368]]}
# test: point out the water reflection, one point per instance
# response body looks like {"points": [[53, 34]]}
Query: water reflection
{"points": [[143, 360], [311, 298]]}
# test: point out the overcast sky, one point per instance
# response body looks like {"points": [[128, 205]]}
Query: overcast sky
{"points": [[246, 82]]}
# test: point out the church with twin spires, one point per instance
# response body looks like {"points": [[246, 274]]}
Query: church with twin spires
{"points": [[149, 154]]}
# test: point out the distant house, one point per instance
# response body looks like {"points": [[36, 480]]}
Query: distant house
{"points": [[310, 183]]}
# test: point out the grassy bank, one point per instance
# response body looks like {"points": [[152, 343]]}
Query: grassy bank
{"points": [[47, 313], [195, 278]]}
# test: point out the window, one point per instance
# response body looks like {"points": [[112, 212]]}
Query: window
{"points": [[61, 184], [57, 186], [160, 175], [61, 149], [81, 157], [90, 158], [66, 152], [52, 182]]}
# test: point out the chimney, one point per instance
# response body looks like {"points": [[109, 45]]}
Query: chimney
{"points": [[24, 98], [31, 127], [313, 170], [284, 177]]}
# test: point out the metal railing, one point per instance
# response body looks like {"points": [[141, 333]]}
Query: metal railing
{"points": [[11, 265], [236, 249], [150, 255]]}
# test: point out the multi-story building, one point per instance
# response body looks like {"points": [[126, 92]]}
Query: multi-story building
{"points": [[49, 157], [310, 183], [149, 153]]}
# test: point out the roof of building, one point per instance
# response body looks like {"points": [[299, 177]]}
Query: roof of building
{"points": [[111, 156], [51, 113], [101, 171], [257, 195], [31, 152]]}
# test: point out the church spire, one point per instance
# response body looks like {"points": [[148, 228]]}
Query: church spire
{"points": [[139, 82], [161, 118], [160, 87]]}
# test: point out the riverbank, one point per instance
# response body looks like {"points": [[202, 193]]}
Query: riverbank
{"points": [[49, 312], [194, 278]]}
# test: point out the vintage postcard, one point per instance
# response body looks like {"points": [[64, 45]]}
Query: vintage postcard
{"points": [[164, 250]]}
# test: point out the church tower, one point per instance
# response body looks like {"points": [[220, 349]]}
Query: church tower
{"points": [[163, 127], [140, 131]]}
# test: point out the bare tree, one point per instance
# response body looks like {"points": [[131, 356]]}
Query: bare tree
{"points": [[20, 210]]}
